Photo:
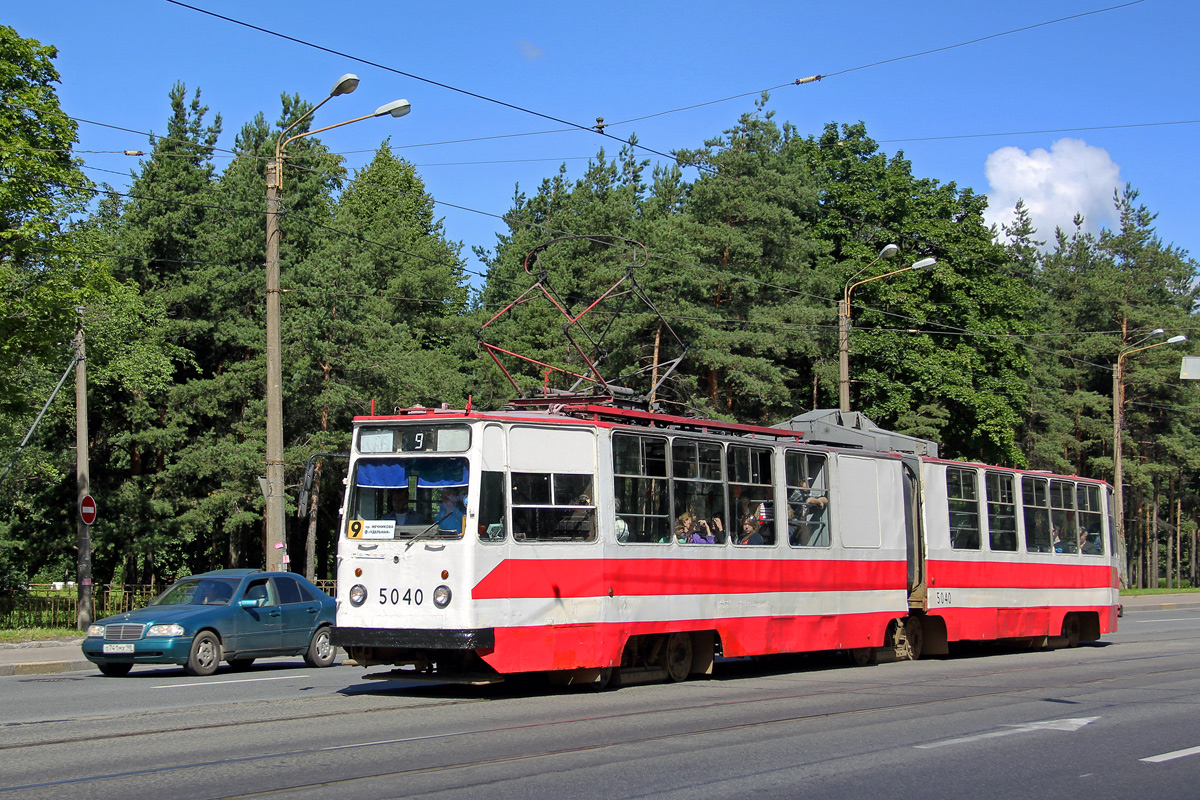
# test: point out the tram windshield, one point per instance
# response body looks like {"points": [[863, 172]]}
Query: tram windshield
{"points": [[399, 498]]}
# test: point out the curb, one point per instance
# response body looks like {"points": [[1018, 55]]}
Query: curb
{"points": [[1129, 609], [44, 667]]}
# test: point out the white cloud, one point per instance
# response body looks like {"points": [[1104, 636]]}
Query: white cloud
{"points": [[1071, 178], [529, 51]]}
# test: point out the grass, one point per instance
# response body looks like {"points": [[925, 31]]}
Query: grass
{"points": [[16, 635], [1142, 592]]}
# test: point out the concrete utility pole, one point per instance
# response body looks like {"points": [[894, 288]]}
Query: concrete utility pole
{"points": [[85, 611], [844, 317], [275, 544], [1118, 412]]}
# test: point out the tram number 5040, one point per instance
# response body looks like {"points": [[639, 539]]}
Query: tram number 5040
{"points": [[412, 597]]}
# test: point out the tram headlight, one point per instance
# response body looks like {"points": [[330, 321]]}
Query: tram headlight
{"points": [[358, 595], [441, 596]]}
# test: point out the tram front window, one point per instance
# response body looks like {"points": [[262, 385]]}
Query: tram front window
{"points": [[399, 498]]}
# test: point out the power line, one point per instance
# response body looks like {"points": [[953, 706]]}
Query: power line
{"points": [[978, 40]]}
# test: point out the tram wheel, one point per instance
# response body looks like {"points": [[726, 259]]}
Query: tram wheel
{"points": [[1071, 629], [677, 660], [603, 680], [914, 635], [862, 656]]}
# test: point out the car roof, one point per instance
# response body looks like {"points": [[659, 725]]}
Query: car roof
{"points": [[227, 573]]}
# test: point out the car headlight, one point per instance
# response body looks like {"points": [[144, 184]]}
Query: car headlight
{"points": [[165, 630], [358, 594], [95, 630], [441, 596]]}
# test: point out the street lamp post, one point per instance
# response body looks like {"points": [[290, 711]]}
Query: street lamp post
{"points": [[275, 545], [1118, 423], [844, 317]]}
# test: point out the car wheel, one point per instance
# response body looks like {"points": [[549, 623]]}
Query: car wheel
{"points": [[205, 655], [239, 664], [116, 669], [320, 649]]}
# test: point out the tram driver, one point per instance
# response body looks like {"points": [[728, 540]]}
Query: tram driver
{"points": [[402, 513]]}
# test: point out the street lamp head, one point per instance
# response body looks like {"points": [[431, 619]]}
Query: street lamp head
{"points": [[397, 108], [889, 250], [1177, 339], [345, 85], [924, 263]]}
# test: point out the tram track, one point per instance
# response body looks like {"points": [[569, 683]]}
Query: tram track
{"points": [[554, 752]]}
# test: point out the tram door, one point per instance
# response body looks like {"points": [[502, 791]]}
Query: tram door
{"points": [[912, 523]]}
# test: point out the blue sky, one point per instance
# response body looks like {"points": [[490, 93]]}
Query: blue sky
{"points": [[1059, 114]]}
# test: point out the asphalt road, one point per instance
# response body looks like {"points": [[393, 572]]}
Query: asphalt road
{"points": [[1113, 720]]}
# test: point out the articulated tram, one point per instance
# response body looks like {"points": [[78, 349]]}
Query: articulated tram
{"points": [[596, 543]]}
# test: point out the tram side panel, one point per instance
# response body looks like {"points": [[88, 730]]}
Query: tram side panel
{"points": [[1008, 558]]}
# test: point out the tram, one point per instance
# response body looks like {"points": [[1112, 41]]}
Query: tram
{"points": [[572, 536]]}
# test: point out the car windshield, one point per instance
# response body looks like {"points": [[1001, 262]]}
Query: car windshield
{"points": [[199, 591]]}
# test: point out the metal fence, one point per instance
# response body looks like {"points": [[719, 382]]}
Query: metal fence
{"points": [[53, 605]]}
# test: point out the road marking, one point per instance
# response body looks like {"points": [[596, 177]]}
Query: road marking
{"points": [[1008, 730], [222, 683], [1191, 751]]}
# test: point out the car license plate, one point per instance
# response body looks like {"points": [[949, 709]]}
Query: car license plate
{"points": [[118, 648]]}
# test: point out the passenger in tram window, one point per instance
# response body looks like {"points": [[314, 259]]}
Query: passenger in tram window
{"points": [[401, 513], [450, 517], [1091, 544], [750, 531], [693, 530]]}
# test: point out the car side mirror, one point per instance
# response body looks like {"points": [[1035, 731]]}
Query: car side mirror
{"points": [[244, 603]]}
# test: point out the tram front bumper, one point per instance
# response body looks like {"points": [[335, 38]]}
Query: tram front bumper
{"points": [[415, 638]]}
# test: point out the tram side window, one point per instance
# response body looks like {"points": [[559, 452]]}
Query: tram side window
{"points": [[1002, 512], [640, 488], [699, 492], [1112, 520], [550, 507], [751, 497], [1091, 515], [962, 495], [491, 507], [1062, 517], [1034, 502], [808, 499]]}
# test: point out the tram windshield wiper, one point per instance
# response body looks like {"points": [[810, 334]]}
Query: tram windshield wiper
{"points": [[424, 533]]}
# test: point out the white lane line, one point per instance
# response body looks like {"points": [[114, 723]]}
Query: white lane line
{"points": [[1009, 730], [1191, 751], [222, 683]]}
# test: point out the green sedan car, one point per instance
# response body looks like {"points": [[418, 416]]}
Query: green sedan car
{"points": [[235, 615]]}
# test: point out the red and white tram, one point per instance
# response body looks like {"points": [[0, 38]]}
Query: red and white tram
{"points": [[593, 542]]}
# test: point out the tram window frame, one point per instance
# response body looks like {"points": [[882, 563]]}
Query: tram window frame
{"points": [[962, 501], [1035, 514], [1064, 520], [1001, 512], [493, 507], [752, 491], [370, 503], [695, 493], [552, 507], [1112, 519], [1090, 516], [641, 489], [808, 499]]}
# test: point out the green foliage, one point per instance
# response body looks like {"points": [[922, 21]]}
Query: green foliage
{"points": [[1003, 353]]}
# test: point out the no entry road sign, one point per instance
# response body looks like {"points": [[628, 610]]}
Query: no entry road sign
{"points": [[87, 509]]}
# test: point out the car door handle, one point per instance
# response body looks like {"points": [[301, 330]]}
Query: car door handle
{"points": [[312, 611], [275, 613]]}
